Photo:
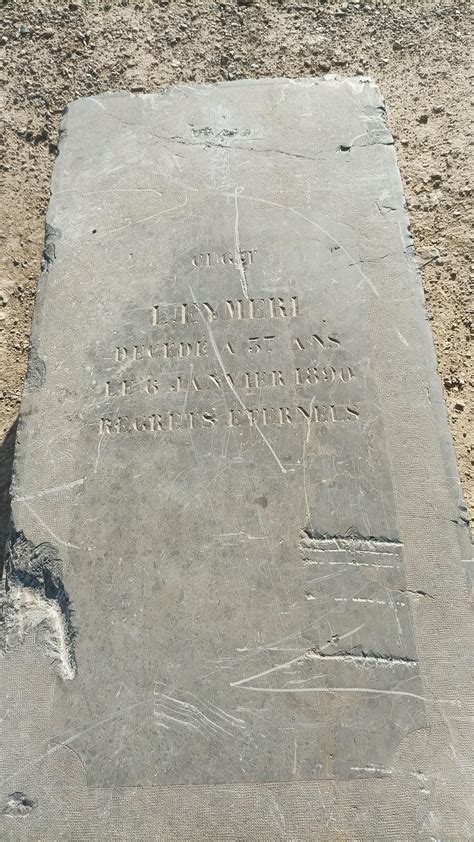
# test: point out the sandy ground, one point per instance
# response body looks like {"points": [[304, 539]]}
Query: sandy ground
{"points": [[418, 52]]}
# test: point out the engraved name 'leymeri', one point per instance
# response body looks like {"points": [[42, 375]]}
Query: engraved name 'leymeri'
{"points": [[279, 307]]}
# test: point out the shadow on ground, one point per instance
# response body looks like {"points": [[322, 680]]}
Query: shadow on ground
{"points": [[6, 465]]}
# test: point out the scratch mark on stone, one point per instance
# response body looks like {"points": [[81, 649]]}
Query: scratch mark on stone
{"points": [[50, 531], [401, 338], [276, 668], [240, 262], [308, 512], [359, 658], [373, 769], [175, 719], [194, 716], [223, 714], [366, 600], [309, 562], [143, 219], [368, 690], [323, 231], [76, 754], [243, 535], [347, 634], [394, 603], [98, 102], [362, 552], [328, 576], [47, 491], [102, 191], [98, 453]]}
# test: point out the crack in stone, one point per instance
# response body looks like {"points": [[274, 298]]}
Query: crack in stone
{"points": [[350, 542], [206, 142], [358, 656]]}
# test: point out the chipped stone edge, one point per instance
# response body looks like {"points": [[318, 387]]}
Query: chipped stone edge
{"points": [[354, 82], [34, 599]]}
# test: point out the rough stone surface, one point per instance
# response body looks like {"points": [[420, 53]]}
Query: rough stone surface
{"points": [[238, 532]]}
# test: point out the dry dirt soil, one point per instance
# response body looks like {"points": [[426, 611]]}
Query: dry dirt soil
{"points": [[55, 51]]}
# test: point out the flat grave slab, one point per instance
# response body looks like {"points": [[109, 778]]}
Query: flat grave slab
{"points": [[235, 602]]}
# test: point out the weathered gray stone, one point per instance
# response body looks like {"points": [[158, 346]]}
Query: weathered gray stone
{"points": [[237, 534]]}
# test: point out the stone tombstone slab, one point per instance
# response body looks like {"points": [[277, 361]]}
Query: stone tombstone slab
{"points": [[235, 601]]}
